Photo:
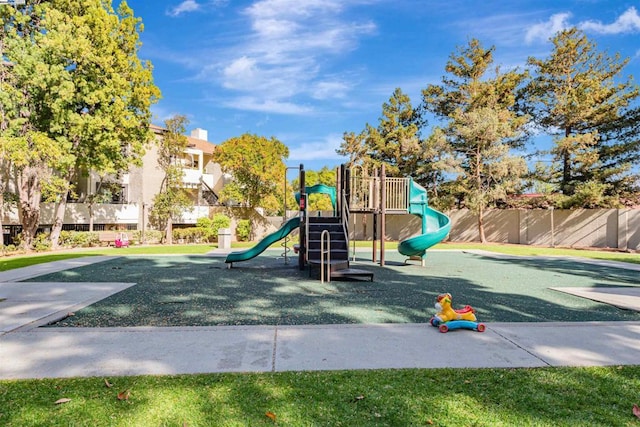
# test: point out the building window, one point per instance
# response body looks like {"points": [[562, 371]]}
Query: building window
{"points": [[119, 194]]}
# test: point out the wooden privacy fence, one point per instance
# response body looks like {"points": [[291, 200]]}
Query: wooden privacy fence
{"points": [[599, 228]]}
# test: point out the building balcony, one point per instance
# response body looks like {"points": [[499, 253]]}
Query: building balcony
{"points": [[193, 178]]}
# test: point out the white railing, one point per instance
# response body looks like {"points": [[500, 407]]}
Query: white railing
{"points": [[397, 192], [193, 178]]}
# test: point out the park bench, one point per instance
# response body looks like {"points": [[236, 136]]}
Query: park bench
{"points": [[118, 238]]}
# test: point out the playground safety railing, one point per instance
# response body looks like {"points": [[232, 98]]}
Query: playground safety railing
{"points": [[365, 193], [397, 191], [325, 251]]}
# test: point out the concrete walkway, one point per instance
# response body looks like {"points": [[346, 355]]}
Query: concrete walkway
{"points": [[28, 351]]}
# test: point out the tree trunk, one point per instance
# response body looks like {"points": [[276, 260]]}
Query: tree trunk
{"points": [[29, 206], [169, 231], [90, 217], [483, 238], [565, 186], [58, 220], [1, 216], [566, 174]]}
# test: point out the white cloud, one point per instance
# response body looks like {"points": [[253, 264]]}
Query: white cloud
{"points": [[545, 30], [161, 113], [241, 70], [264, 9], [330, 90], [184, 7], [628, 22], [324, 150], [286, 51], [249, 103]]}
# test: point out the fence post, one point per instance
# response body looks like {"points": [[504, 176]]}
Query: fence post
{"points": [[553, 230], [623, 229]]}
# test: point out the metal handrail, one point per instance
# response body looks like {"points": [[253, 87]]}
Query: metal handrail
{"points": [[322, 252], [306, 237]]}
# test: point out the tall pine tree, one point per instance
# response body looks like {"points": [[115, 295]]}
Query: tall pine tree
{"points": [[482, 126], [579, 96]]}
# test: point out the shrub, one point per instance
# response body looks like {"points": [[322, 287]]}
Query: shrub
{"points": [[194, 235], [66, 238], [220, 221], [243, 230], [8, 249], [189, 235], [78, 239], [41, 242], [179, 234], [208, 228], [203, 222], [17, 240], [150, 236]]}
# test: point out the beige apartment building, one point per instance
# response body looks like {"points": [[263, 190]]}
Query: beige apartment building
{"points": [[132, 192]]}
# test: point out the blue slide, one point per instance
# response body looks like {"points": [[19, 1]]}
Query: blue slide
{"points": [[435, 224], [263, 244]]}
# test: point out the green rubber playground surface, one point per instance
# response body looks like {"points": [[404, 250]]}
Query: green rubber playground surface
{"points": [[199, 290]]}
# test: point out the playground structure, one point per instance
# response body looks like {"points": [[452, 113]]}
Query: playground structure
{"points": [[324, 240]]}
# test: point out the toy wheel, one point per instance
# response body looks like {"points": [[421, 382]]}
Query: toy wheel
{"points": [[481, 327], [443, 328], [433, 321]]}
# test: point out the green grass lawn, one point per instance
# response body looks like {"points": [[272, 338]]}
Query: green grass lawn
{"points": [[25, 260], [602, 396], [525, 250], [409, 397]]}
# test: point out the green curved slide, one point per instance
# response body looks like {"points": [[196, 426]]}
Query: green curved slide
{"points": [[438, 226], [263, 244], [435, 224]]}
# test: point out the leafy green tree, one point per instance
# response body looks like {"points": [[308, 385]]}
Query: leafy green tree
{"points": [[258, 169], [579, 97], [395, 142], [353, 146], [33, 155], [436, 161], [28, 84], [75, 77], [316, 202], [482, 126], [173, 198], [105, 189]]}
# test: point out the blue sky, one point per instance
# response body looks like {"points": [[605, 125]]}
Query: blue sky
{"points": [[306, 71]]}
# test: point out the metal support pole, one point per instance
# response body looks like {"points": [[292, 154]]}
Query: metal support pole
{"points": [[383, 210], [284, 214], [302, 250]]}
